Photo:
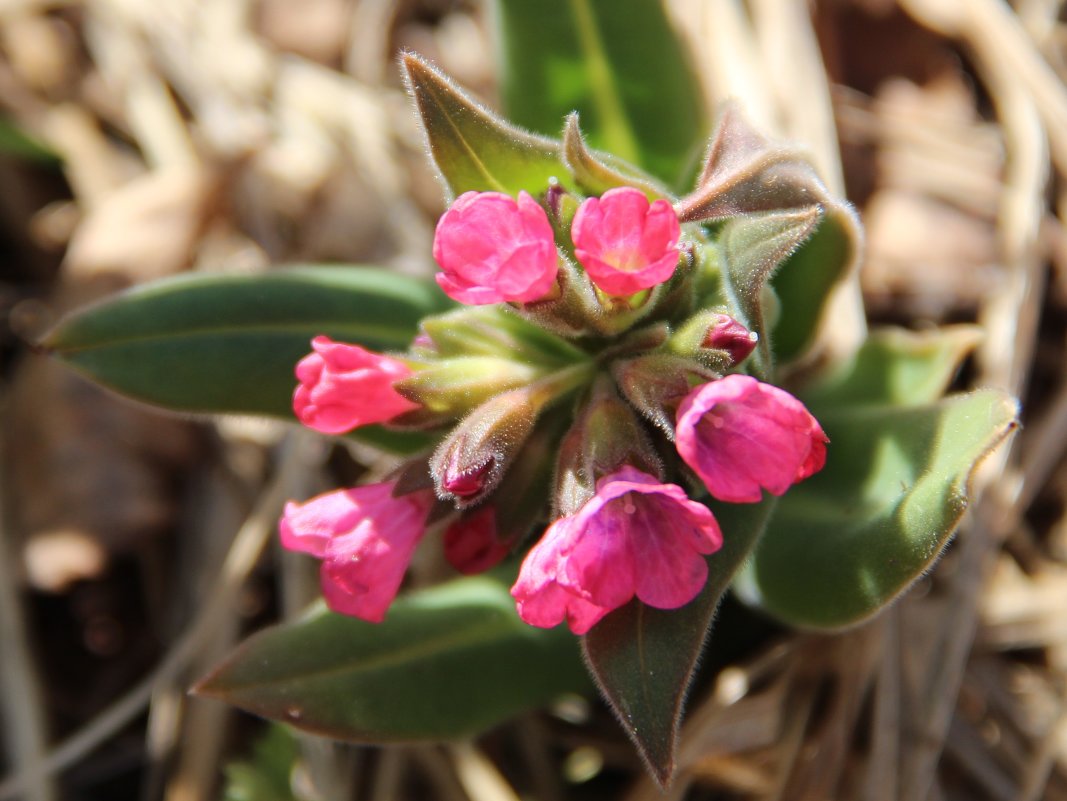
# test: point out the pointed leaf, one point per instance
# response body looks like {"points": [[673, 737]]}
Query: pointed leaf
{"points": [[804, 281], [747, 174], [897, 367], [849, 540], [229, 343], [447, 662], [753, 247], [643, 658], [619, 64], [475, 150], [596, 173]]}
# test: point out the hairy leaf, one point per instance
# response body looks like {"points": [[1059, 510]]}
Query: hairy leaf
{"points": [[746, 176], [229, 343], [643, 659], [853, 537], [447, 662], [752, 249], [895, 366], [474, 149]]}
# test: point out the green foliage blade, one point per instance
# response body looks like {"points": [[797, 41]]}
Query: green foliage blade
{"points": [[448, 662], [266, 775], [619, 64], [228, 344], [896, 367], [643, 659], [853, 537], [475, 150], [753, 248]]}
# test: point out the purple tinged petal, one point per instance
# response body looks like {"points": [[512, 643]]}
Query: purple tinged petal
{"points": [[365, 537], [742, 436], [635, 536]]}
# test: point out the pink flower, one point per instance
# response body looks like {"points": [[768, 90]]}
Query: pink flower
{"points": [[345, 386], [492, 249], [636, 536], [471, 543], [624, 243], [740, 434], [365, 537]]}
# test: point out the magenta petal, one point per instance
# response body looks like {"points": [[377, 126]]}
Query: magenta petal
{"points": [[345, 386], [491, 249], [365, 537], [635, 536], [742, 436], [540, 599], [309, 527], [624, 243]]}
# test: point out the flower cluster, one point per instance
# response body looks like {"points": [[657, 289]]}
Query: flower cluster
{"points": [[590, 344]]}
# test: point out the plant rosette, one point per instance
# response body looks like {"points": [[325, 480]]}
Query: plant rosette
{"points": [[604, 386]]}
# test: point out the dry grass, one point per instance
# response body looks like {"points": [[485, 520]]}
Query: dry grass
{"points": [[237, 135]]}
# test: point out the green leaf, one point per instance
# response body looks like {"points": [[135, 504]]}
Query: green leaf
{"points": [[619, 64], [643, 659], [267, 775], [447, 662], [746, 175], [752, 249], [475, 150], [804, 281], [896, 367], [596, 172], [228, 343], [849, 540]]}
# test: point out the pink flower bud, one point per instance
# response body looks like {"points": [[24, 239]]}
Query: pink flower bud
{"points": [[345, 386], [365, 537], [471, 542], [636, 536], [624, 243], [465, 482], [740, 435], [492, 249], [729, 335]]}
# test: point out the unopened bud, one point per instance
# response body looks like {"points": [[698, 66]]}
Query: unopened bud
{"points": [[715, 339], [473, 457], [472, 544], [729, 335], [466, 483], [605, 436], [452, 387]]}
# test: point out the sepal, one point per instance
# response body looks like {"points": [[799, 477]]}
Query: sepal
{"points": [[658, 382], [605, 437]]}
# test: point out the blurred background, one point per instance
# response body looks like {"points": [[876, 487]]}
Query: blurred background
{"points": [[144, 138]]}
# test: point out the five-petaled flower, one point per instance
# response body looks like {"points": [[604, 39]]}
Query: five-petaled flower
{"points": [[625, 243], [636, 536], [492, 249], [346, 386], [741, 436], [365, 537]]}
